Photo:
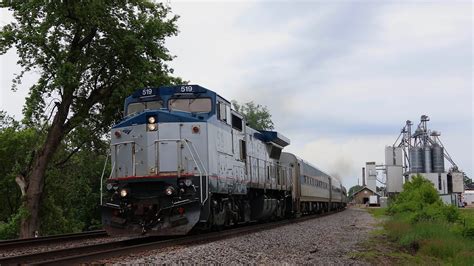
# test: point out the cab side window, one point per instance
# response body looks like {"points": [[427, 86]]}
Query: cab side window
{"points": [[221, 111]]}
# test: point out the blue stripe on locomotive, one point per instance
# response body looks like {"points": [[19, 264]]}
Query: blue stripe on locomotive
{"points": [[165, 93]]}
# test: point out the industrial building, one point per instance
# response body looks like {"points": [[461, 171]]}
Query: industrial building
{"points": [[419, 152], [367, 194], [363, 196]]}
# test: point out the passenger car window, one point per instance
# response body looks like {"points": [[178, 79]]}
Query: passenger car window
{"points": [[199, 105]]}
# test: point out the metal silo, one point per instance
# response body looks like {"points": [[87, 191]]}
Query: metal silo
{"points": [[437, 154], [427, 159], [416, 160]]}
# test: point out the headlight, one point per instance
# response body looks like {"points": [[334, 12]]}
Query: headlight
{"points": [[109, 186], [188, 182], [123, 193], [151, 127], [169, 191], [151, 124]]}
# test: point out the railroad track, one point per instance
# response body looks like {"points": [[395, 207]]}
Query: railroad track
{"points": [[97, 252], [8, 244]]}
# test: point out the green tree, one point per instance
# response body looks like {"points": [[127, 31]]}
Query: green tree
{"points": [[420, 201], [256, 115], [467, 180], [7, 121], [15, 142], [70, 201], [90, 55], [353, 190]]}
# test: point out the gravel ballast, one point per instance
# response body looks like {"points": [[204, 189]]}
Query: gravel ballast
{"points": [[326, 240], [37, 248]]}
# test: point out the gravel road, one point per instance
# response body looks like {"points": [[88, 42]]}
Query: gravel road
{"points": [[325, 240]]}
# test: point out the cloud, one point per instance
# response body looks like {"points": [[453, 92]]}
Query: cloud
{"points": [[340, 78], [345, 76], [342, 157]]}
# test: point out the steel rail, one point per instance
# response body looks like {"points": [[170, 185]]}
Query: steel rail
{"points": [[38, 258], [97, 252], [4, 244]]}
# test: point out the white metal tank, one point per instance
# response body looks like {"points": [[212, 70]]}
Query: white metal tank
{"points": [[437, 153], [427, 159], [416, 160]]}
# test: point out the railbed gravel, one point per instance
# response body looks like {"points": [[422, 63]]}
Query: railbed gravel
{"points": [[320, 241], [10, 252]]}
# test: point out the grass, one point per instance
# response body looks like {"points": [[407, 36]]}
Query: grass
{"points": [[377, 212], [400, 241], [467, 223], [467, 211], [380, 250]]}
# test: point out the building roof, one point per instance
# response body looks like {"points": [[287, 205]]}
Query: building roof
{"points": [[364, 187]]}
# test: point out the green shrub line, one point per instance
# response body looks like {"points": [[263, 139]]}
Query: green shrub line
{"points": [[419, 222]]}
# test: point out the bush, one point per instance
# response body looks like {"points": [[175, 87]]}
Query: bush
{"points": [[420, 201], [422, 223], [11, 228]]}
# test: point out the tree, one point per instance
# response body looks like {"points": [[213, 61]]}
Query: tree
{"points": [[71, 190], [256, 115], [15, 141], [6, 121], [90, 55], [420, 201], [353, 190], [467, 180]]}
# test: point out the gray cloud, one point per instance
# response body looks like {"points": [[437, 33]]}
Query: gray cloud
{"points": [[340, 78]]}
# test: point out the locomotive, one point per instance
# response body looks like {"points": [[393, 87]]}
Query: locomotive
{"points": [[183, 159]]}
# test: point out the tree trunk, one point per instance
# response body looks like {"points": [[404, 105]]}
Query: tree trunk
{"points": [[35, 181]]}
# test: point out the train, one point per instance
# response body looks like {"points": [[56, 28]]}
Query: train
{"points": [[182, 159]]}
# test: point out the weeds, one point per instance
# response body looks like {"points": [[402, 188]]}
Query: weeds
{"points": [[425, 229]]}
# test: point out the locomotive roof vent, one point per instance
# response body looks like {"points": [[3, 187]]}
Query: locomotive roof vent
{"points": [[274, 137]]}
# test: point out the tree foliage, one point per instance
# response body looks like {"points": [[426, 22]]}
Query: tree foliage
{"points": [[256, 115], [419, 201], [467, 180], [90, 55], [70, 203], [353, 190], [15, 143]]}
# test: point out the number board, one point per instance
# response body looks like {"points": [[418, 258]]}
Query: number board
{"points": [[147, 92], [176, 90], [186, 89]]}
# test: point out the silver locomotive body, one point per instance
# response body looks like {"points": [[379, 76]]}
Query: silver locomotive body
{"points": [[183, 159]]}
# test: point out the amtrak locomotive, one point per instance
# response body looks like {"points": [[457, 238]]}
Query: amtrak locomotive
{"points": [[183, 159]]}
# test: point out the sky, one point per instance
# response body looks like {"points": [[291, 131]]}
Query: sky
{"points": [[340, 78]]}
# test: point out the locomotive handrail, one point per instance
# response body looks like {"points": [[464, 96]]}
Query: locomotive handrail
{"points": [[204, 168], [102, 178], [199, 165]]}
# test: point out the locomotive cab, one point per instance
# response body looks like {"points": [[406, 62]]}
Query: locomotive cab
{"points": [[159, 159]]}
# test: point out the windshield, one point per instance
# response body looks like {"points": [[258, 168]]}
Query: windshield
{"points": [[139, 107], [199, 105]]}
